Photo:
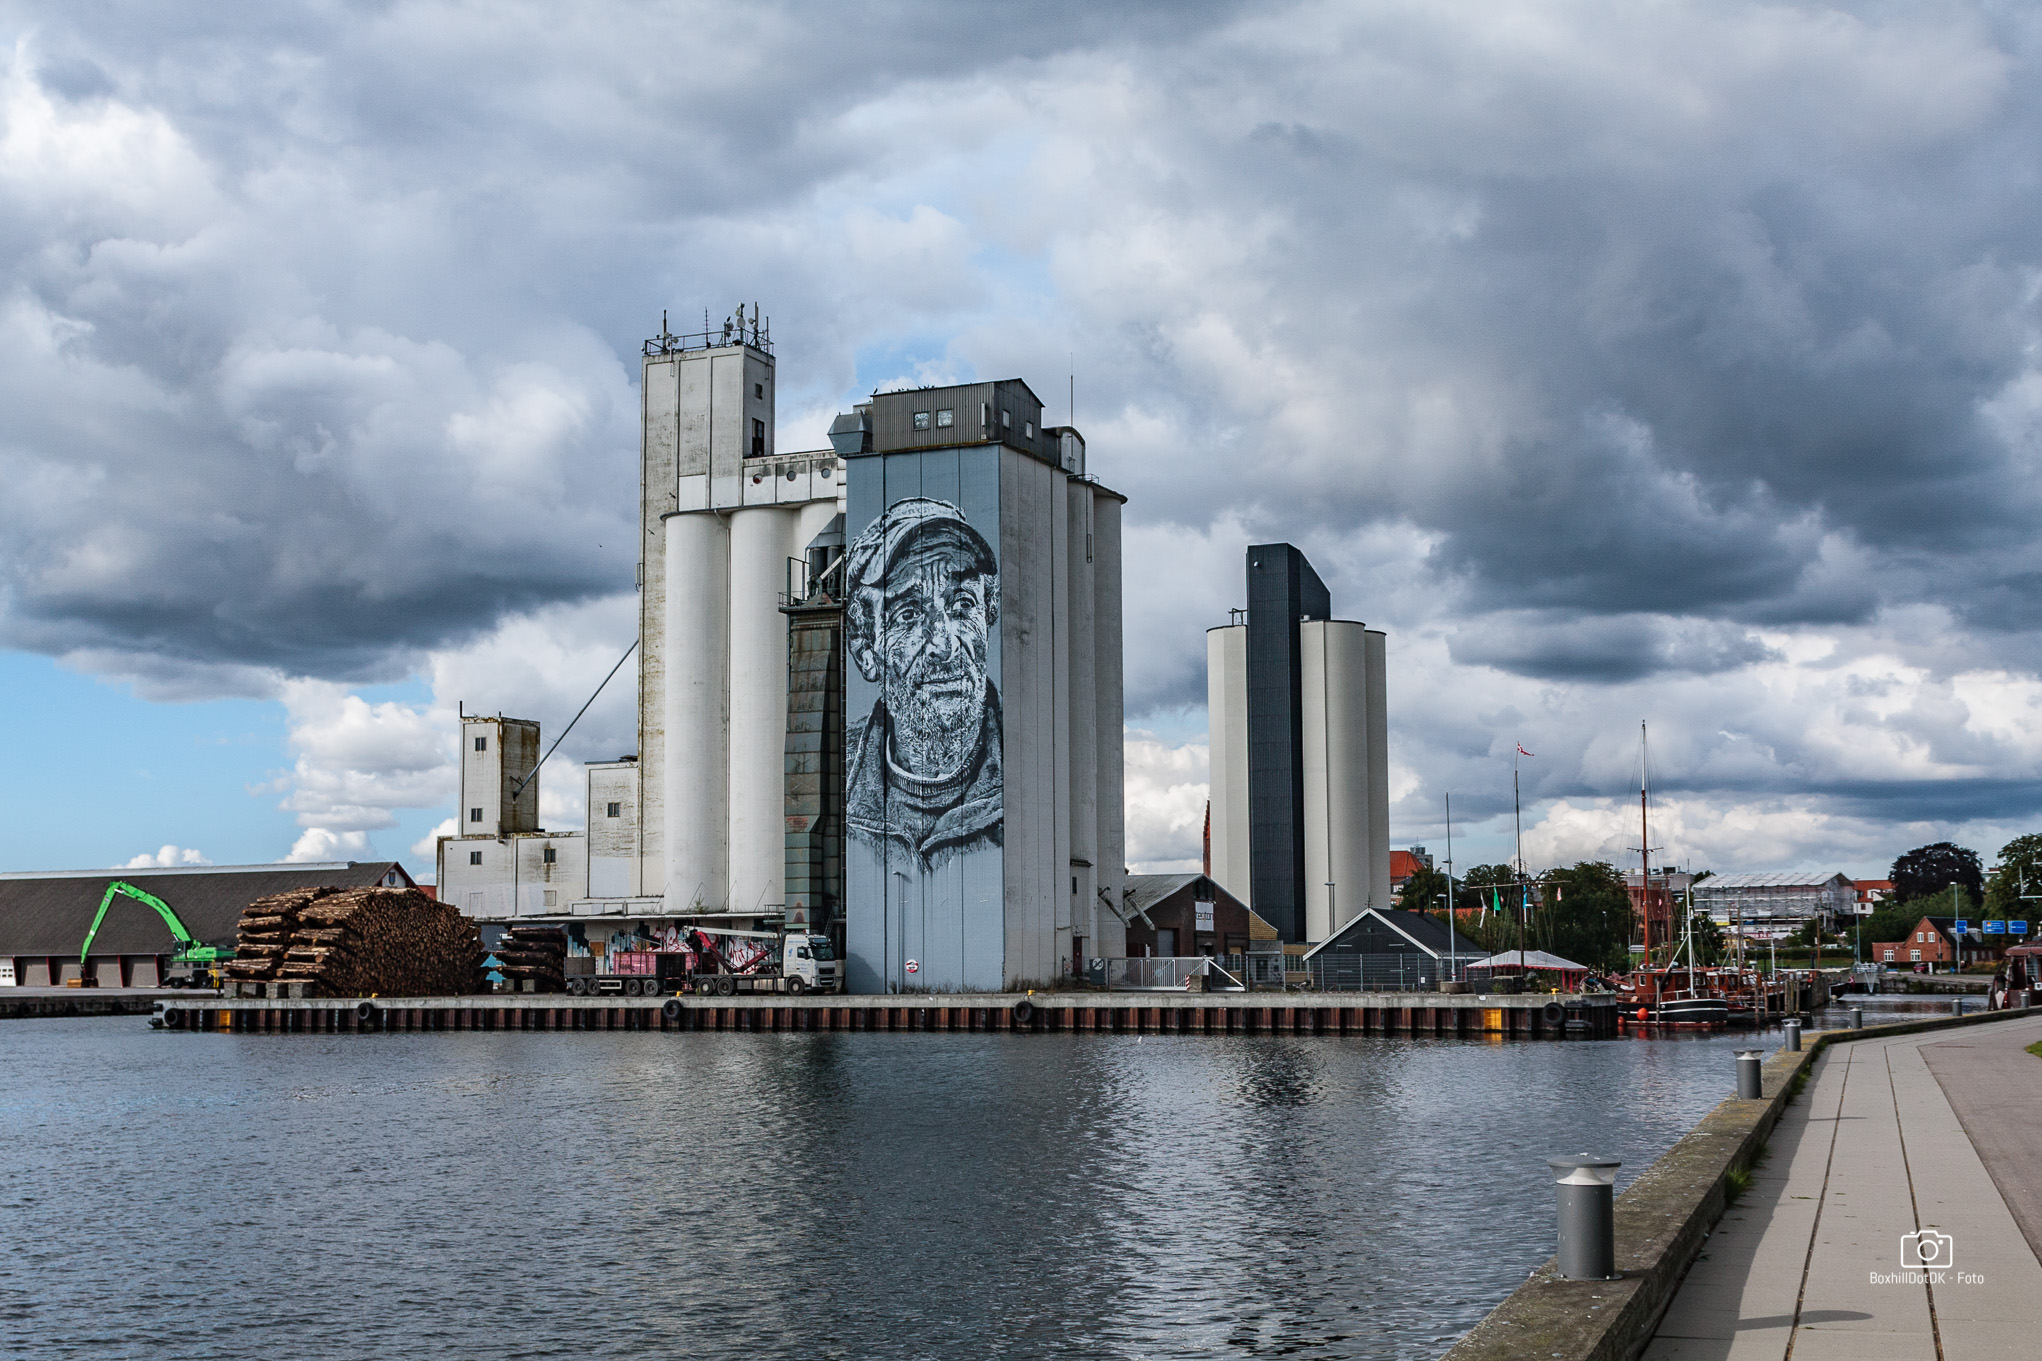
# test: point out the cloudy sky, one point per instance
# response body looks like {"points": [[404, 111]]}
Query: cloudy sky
{"points": [[1659, 362]]}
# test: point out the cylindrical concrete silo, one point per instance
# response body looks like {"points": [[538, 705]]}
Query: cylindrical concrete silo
{"points": [[1378, 768], [697, 618], [1333, 691], [1226, 704], [1084, 718], [1110, 722], [761, 542]]}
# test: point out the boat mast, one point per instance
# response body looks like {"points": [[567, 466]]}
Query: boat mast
{"points": [[1644, 852]]}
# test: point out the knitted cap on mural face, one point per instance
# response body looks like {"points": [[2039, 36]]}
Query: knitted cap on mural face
{"points": [[915, 520]]}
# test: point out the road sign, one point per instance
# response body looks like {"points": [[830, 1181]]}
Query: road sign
{"points": [[914, 967], [1961, 926], [2017, 928], [1995, 928]]}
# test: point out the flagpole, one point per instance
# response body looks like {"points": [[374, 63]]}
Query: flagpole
{"points": [[1451, 957]]}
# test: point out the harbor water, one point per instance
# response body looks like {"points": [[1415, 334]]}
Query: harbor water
{"points": [[511, 1194]]}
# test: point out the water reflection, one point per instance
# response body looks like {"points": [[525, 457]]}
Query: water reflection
{"points": [[796, 1195]]}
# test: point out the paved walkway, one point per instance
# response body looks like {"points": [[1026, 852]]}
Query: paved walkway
{"points": [[1807, 1265]]}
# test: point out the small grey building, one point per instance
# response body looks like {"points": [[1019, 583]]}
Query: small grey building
{"points": [[1387, 947]]}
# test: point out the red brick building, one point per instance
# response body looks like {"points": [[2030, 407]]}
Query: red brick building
{"points": [[1935, 942]]}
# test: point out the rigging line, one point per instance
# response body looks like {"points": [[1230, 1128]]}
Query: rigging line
{"points": [[572, 721]]}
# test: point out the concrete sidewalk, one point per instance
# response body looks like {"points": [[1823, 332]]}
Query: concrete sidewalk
{"points": [[1807, 1264]]}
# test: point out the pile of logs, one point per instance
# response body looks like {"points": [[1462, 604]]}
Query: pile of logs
{"points": [[267, 925], [532, 954], [359, 942]]}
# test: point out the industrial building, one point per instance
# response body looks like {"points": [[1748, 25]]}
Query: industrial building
{"points": [[983, 781], [879, 688], [1299, 736], [44, 915], [501, 863]]}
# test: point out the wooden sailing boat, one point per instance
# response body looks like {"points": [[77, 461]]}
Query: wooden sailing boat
{"points": [[1673, 993]]}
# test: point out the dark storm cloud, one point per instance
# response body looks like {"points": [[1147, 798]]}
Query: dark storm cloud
{"points": [[1621, 360], [326, 318], [1604, 648]]}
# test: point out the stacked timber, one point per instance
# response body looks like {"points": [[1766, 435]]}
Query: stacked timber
{"points": [[533, 954], [358, 942], [265, 935]]}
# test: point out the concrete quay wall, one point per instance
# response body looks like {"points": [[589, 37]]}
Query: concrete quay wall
{"points": [[49, 1003], [1662, 1220], [1515, 1017]]}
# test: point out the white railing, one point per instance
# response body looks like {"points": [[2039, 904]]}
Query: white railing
{"points": [[1164, 974]]}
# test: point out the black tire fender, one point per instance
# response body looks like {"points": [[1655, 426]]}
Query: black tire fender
{"points": [[173, 1018], [1553, 1013], [673, 1009], [366, 1013], [1024, 1012]]}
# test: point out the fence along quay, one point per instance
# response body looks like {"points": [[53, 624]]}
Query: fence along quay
{"points": [[1520, 1017]]}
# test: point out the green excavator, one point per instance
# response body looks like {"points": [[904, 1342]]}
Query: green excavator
{"points": [[194, 965]]}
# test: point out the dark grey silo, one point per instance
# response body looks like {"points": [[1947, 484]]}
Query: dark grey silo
{"points": [[1282, 590], [1586, 1187]]}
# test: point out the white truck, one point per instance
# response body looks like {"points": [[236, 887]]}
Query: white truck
{"points": [[729, 962]]}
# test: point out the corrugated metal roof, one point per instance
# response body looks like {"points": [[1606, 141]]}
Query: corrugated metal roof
{"points": [[1144, 891], [47, 913]]}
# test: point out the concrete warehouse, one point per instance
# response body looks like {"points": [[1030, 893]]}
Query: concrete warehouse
{"points": [[879, 689]]}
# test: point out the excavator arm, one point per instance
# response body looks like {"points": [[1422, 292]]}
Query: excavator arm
{"points": [[187, 947]]}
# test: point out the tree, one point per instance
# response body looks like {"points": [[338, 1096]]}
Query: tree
{"points": [[1928, 870], [2020, 871], [1424, 891], [1477, 883], [1478, 894], [1587, 915], [1891, 922]]}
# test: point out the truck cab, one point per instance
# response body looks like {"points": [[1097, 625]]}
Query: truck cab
{"points": [[812, 959]]}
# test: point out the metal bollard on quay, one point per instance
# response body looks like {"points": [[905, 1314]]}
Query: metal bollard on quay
{"points": [[1793, 1037], [1857, 1018], [1750, 1084], [1586, 1187]]}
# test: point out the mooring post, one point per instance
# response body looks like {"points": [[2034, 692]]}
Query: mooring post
{"points": [[1750, 1085], [1857, 1018], [1793, 1043], [1586, 1186]]}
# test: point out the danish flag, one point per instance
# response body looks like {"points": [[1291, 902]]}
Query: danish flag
{"points": [[1521, 751]]}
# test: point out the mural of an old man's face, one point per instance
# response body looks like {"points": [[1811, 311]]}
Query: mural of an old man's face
{"points": [[927, 624]]}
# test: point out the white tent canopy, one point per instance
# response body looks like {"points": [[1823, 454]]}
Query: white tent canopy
{"points": [[1527, 959]]}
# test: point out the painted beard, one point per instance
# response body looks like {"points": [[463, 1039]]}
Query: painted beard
{"points": [[937, 711]]}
